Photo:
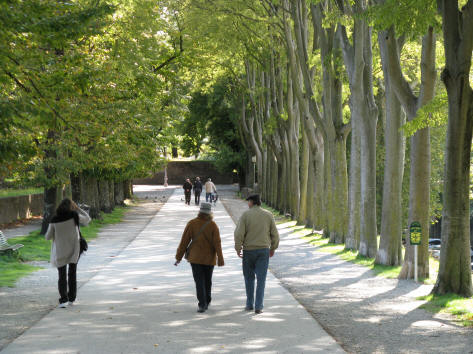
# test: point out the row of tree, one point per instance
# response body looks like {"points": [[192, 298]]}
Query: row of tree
{"points": [[93, 91], [314, 75], [87, 89]]}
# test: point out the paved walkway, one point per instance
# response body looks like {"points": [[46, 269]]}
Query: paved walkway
{"points": [[23, 230], [141, 303], [35, 295], [364, 312]]}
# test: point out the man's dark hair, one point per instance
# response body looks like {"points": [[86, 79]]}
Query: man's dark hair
{"points": [[255, 198]]}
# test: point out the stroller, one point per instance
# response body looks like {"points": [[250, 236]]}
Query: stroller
{"points": [[214, 198]]}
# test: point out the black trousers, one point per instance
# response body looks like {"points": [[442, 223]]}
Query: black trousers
{"points": [[203, 283], [197, 197], [188, 197], [67, 278]]}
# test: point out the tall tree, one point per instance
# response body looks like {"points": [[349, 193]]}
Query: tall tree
{"points": [[455, 273], [419, 191]]}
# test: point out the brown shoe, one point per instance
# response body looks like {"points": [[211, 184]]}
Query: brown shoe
{"points": [[258, 311]]}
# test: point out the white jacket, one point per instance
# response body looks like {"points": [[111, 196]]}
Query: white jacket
{"points": [[65, 236]]}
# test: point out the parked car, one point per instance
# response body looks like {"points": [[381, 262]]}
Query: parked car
{"points": [[434, 243]]}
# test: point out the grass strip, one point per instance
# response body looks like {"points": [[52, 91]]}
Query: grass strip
{"points": [[460, 307], [323, 245], [36, 248], [10, 192]]}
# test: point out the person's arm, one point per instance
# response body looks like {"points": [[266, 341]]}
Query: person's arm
{"points": [[218, 247], [50, 233], [274, 234], [185, 239], [239, 235], [84, 218]]}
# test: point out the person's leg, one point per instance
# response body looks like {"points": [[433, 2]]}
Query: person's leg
{"points": [[198, 198], [72, 281], [249, 275], [199, 279], [261, 270], [208, 284], [62, 284], [207, 195]]}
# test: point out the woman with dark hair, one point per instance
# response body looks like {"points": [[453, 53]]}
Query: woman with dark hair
{"points": [[63, 230], [202, 245]]}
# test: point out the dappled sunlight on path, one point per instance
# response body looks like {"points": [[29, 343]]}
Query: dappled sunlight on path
{"points": [[142, 303]]}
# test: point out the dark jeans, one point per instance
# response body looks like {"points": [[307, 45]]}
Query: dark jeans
{"points": [[197, 196], [255, 262], [188, 197], [65, 279], [208, 197], [203, 283]]}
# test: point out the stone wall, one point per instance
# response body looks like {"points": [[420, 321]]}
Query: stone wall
{"points": [[179, 170], [21, 207]]}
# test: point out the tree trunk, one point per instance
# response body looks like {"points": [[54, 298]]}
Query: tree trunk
{"points": [[311, 191], [51, 193], [352, 240], [104, 196], [111, 194], [419, 200], [368, 232], [89, 194], [128, 189], [50, 204], [454, 272], [304, 173], [118, 193], [338, 217], [320, 217], [390, 247]]}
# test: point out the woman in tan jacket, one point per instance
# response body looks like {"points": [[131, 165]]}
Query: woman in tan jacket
{"points": [[201, 239], [63, 230]]}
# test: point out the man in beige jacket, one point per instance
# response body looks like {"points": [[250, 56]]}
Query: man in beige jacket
{"points": [[257, 235]]}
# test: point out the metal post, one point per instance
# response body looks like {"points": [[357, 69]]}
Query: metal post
{"points": [[254, 171], [165, 176], [415, 263]]}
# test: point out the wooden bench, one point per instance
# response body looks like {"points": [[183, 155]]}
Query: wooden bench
{"points": [[5, 247]]}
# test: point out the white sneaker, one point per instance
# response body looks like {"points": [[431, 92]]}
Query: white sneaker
{"points": [[71, 303], [63, 305]]}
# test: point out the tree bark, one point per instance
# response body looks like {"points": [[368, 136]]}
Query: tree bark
{"points": [[302, 219], [390, 247], [358, 59], [352, 240], [111, 194], [104, 196], [118, 193], [419, 188], [128, 189], [454, 272]]}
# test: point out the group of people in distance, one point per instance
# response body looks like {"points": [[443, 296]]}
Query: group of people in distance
{"points": [[210, 190]]}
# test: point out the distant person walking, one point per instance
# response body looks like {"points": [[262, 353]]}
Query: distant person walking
{"points": [[202, 245], [197, 190], [187, 190], [209, 189], [65, 250], [257, 235]]}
